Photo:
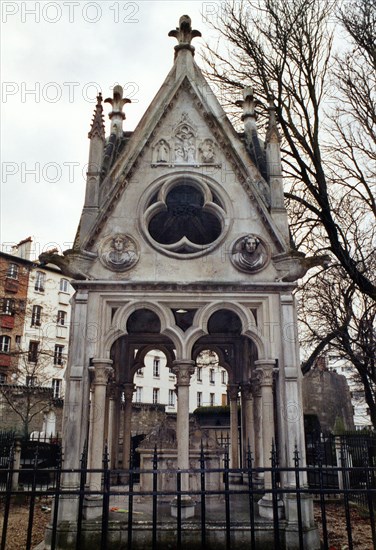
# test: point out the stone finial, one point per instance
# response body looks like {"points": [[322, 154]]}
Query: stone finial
{"points": [[272, 132], [116, 115], [184, 34], [97, 124], [248, 103]]}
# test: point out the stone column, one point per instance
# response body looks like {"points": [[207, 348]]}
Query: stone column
{"points": [[264, 370], [127, 418], [249, 426], [292, 414], [232, 390], [290, 375], [102, 371], [76, 405], [183, 369]]}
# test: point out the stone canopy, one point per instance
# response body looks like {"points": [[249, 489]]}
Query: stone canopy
{"points": [[183, 246]]}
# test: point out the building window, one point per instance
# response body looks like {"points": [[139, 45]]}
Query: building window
{"points": [[61, 317], [12, 272], [155, 396], [40, 281], [224, 377], [36, 316], [64, 285], [5, 344], [18, 340], [171, 398], [139, 394], [199, 399], [212, 376], [33, 352], [9, 306], [156, 367], [3, 378], [212, 399], [56, 388], [58, 354], [31, 380], [199, 374]]}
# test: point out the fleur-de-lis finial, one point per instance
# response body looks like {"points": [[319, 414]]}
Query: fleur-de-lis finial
{"points": [[184, 34], [117, 116]]}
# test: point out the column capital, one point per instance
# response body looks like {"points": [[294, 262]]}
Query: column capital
{"points": [[183, 369], [128, 389], [246, 390], [233, 390], [102, 371], [265, 364]]}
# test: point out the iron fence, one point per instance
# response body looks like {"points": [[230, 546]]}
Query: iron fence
{"points": [[223, 515]]}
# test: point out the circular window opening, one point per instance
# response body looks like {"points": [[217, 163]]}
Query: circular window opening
{"points": [[185, 219]]}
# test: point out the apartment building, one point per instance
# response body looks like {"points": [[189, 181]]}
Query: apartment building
{"points": [[34, 339], [155, 382]]}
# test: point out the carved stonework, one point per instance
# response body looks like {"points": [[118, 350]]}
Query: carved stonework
{"points": [[161, 152], [183, 372], [265, 376], [246, 391], [232, 391], [118, 252], [207, 151], [128, 390], [249, 254], [103, 373], [185, 142]]}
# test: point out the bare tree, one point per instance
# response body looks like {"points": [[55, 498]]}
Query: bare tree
{"points": [[28, 392], [333, 313], [326, 107], [286, 49]]}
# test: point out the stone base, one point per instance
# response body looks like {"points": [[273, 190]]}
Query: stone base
{"points": [[265, 506], [311, 538], [187, 508], [235, 479], [93, 507]]}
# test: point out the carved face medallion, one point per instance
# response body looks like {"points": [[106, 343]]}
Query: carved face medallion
{"points": [[250, 254], [118, 252]]}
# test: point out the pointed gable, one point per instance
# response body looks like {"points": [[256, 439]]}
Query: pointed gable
{"points": [[183, 184]]}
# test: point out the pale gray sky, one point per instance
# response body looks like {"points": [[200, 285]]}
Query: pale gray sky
{"points": [[55, 56]]}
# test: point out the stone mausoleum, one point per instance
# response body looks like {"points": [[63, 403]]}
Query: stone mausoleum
{"points": [[183, 246]]}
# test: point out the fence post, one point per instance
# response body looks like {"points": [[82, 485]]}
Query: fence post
{"points": [[16, 464]]}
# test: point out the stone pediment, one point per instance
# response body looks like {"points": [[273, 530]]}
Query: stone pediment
{"points": [[183, 147]]}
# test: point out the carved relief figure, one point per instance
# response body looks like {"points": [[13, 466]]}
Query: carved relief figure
{"points": [[119, 253], [249, 254], [163, 151], [207, 151], [185, 142]]}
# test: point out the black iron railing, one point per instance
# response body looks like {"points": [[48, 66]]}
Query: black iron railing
{"points": [[223, 511]]}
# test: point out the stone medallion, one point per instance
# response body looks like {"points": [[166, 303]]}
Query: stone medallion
{"points": [[250, 254], [118, 252]]}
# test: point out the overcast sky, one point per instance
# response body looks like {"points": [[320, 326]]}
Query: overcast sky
{"points": [[55, 57]]}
